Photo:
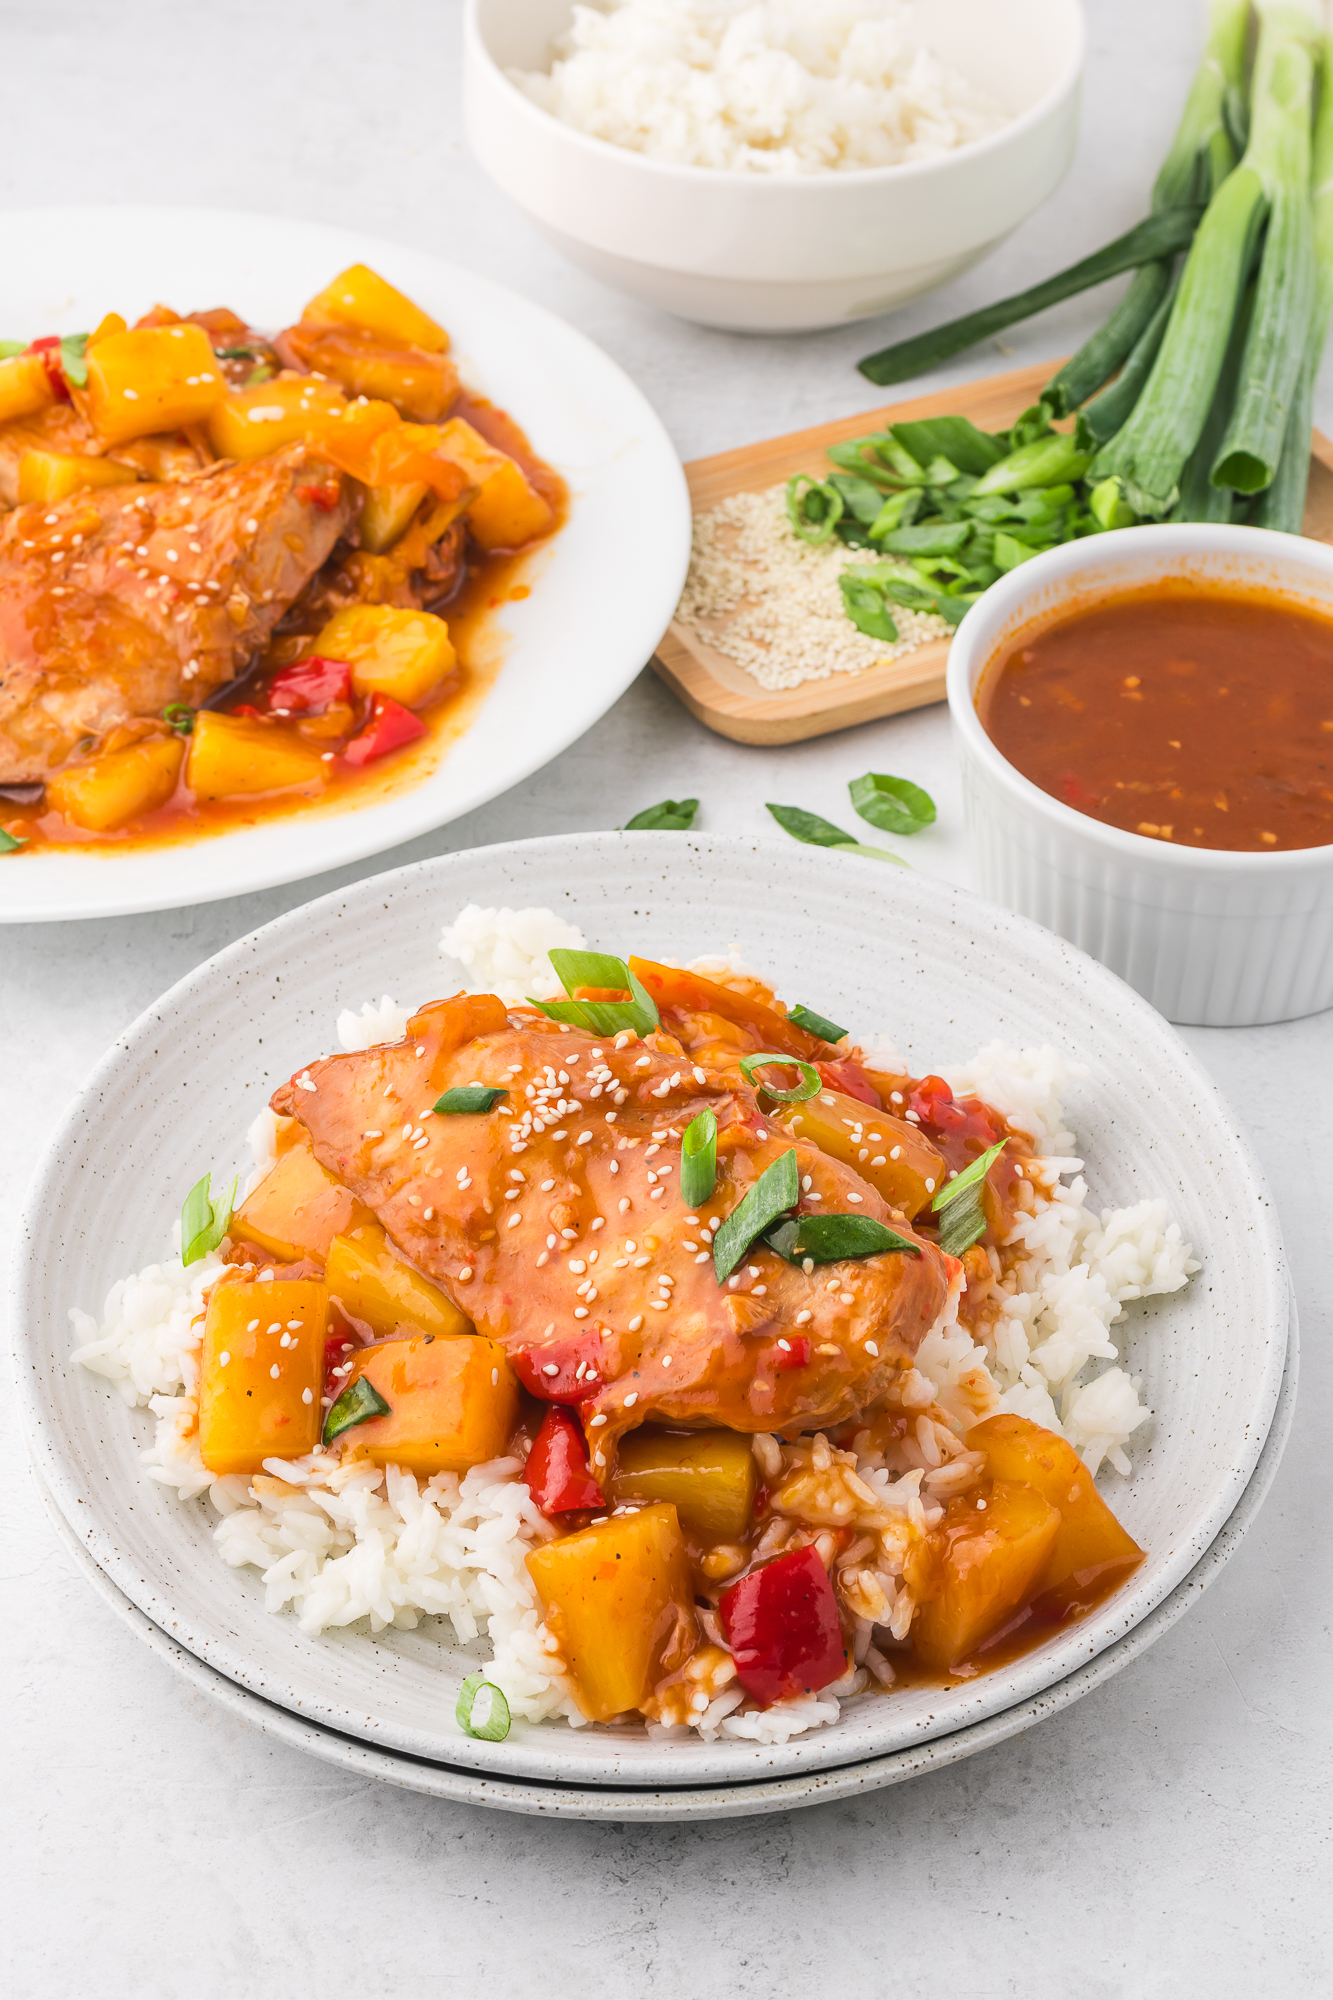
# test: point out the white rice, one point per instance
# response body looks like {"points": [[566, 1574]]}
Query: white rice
{"points": [[760, 86], [336, 1547]]}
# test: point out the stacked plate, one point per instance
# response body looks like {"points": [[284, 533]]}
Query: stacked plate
{"points": [[883, 950]]}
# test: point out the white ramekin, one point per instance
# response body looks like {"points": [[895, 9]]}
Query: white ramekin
{"points": [[1223, 939], [778, 254]]}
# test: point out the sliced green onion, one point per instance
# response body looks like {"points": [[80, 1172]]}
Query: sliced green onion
{"points": [[958, 1203], [1047, 461], [817, 1024], [813, 509], [671, 816], [358, 1403], [496, 1726], [180, 717], [864, 604], [261, 374], [894, 805], [204, 1222], [1155, 237], [817, 832], [861, 497], [777, 1189], [600, 1017], [234, 353], [954, 440], [73, 347], [926, 538], [10, 842], [898, 511], [469, 1097], [809, 1086], [10, 349], [831, 1239], [698, 1159]]}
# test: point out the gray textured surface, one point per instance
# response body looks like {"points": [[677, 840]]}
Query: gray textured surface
{"points": [[1170, 1834]]}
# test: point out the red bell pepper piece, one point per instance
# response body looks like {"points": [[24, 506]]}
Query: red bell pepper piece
{"points": [[557, 1472], [782, 1625], [390, 726], [945, 1116], [310, 684], [796, 1354], [49, 349], [565, 1357], [852, 1081]]}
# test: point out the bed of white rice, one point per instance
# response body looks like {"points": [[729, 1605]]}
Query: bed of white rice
{"points": [[760, 86], [336, 1546]]}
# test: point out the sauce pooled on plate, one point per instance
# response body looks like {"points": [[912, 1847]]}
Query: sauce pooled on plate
{"points": [[1190, 715]]}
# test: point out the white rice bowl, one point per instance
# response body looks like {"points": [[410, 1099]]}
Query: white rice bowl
{"points": [[335, 1546]]}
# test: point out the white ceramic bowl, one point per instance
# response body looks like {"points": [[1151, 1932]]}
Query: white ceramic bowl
{"points": [[784, 254], [938, 967], [1223, 939]]}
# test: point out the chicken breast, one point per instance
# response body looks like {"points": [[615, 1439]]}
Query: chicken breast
{"points": [[555, 1222], [114, 603]]}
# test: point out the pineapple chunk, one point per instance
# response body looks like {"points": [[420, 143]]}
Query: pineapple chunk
{"points": [[25, 386], [709, 1477], [234, 756], [404, 654], [359, 297], [154, 378], [272, 414], [48, 476], [388, 512], [619, 1599], [906, 1181], [508, 511], [298, 1208], [121, 785], [419, 385], [986, 1564], [374, 1285], [453, 1402], [259, 1398], [1091, 1548]]}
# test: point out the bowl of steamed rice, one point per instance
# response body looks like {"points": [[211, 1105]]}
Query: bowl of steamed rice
{"points": [[615, 1361], [775, 165]]}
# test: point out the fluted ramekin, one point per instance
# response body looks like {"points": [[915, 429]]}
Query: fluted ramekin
{"points": [[1209, 936]]}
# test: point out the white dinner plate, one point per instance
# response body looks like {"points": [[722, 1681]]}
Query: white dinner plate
{"points": [[879, 948], [736, 1801], [602, 592]]}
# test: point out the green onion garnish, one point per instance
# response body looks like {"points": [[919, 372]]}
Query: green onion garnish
{"points": [[829, 1239], [698, 1159], [204, 1222], [814, 510], [73, 347], [234, 353], [671, 816], [180, 717], [469, 1097], [817, 1024], [817, 832], [600, 1017], [959, 1204], [895, 805], [261, 374], [9, 842], [358, 1403], [777, 1189], [9, 349], [496, 1726], [809, 1086]]}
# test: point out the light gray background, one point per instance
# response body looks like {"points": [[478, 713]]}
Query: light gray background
{"points": [[1167, 1836]]}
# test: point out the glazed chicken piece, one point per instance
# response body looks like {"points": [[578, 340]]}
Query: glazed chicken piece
{"points": [[115, 602], [556, 1223]]}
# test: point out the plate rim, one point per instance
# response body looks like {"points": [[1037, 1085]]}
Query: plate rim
{"points": [[802, 1752], [743, 1799], [95, 893]]}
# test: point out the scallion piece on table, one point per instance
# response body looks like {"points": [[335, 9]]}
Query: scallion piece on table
{"points": [[204, 1222], [958, 1204], [358, 1403], [465, 1097], [494, 1727], [816, 1024], [600, 1017], [817, 832], [698, 1159], [894, 805], [1157, 236], [777, 1189], [829, 1239], [808, 1087], [671, 816]]}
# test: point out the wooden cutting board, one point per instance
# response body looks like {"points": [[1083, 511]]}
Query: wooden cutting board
{"points": [[720, 692]]}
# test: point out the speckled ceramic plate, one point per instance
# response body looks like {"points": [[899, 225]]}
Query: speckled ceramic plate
{"points": [[736, 1801], [553, 667], [934, 966]]}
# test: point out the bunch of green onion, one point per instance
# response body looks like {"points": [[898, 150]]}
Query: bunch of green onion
{"points": [[1192, 402]]}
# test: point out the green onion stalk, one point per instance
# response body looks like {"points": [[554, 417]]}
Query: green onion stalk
{"points": [[1150, 453], [1282, 506]]}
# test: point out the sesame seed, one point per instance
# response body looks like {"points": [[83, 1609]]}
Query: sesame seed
{"points": [[514, 1220], [569, 1234], [580, 1312], [593, 1425], [253, 1326], [223, 1358], [856, 1197], [631, 1399], [275, 1371], [577, 1264], [896, 1153], [804, 1318], [550, 1368], [622, 1204], [636, 1323], [465, 1274], [848, 1298], [872, 1349], [640, 1262], [495, 1378]]}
